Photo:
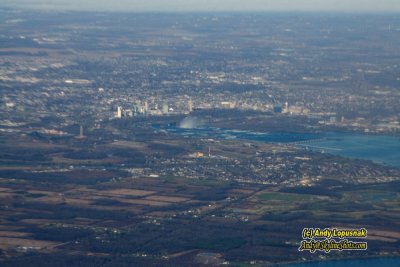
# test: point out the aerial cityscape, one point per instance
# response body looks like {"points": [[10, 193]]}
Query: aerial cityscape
{"points": [[198, 139]]}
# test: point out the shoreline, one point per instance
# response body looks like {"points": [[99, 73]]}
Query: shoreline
{"points": [[344, 150]]}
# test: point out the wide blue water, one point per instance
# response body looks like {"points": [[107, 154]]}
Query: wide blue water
{"points": [[371, 262], [381, 149], [377, 148]]}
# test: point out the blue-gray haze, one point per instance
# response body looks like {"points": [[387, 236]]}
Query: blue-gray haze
{"points": [[210, 5]]}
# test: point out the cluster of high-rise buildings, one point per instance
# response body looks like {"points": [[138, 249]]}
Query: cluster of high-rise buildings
{"points": [[156, 109]]}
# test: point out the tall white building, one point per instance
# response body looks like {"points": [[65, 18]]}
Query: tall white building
{"points": [[165, 108], [190, 106], [118, 113]]}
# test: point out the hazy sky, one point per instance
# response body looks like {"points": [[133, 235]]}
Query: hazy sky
{"points": [[213, 5]]}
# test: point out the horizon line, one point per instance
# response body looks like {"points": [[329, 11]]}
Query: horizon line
{"points": [[191, 11]]}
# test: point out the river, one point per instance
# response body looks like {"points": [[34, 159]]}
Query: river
{"points": [[382, 149]]}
